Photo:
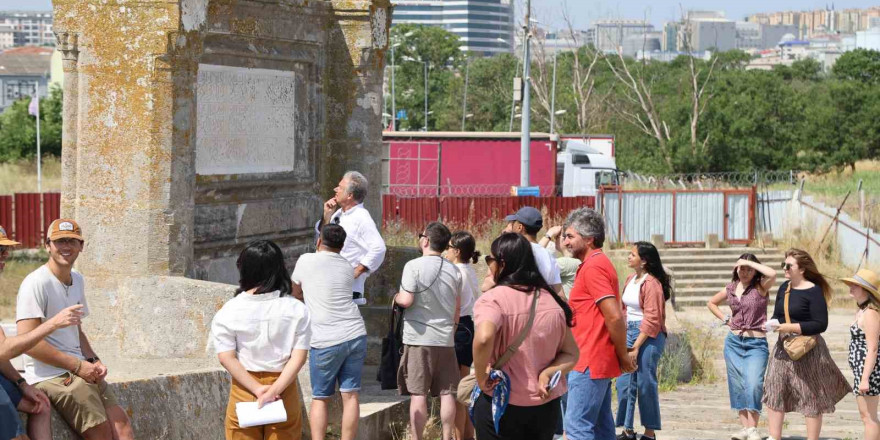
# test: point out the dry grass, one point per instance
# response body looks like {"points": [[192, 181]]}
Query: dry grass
{"points": [[17, 267], [21, 176]]}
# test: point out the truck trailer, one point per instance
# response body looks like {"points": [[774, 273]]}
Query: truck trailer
{"points": [[488, 163]]}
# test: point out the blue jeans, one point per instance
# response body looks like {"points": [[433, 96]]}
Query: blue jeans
{"points": [[10, 424], [641, 384], [746, 360], [588, 409], [341, 363]]}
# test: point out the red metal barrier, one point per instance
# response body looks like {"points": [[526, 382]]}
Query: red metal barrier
{"points": [[27, 219], [416, 212], [51, 208], [6, 214]]}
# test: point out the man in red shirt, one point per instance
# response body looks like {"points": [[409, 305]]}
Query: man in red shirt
{"points": [[599, 329]]}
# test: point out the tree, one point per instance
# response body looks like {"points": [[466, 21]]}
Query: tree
{"points": [[420, 45], [861, 65], [18, 131]]}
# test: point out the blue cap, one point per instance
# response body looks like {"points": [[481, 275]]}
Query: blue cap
{"points": [[528, 216]]}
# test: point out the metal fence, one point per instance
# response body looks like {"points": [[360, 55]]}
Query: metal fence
{"points": [[416, 212], [26, 216], [701, 181], [681, 216]]}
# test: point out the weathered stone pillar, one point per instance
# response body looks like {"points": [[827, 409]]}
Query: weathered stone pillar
{"points": [[67, 44], [193, 127]]}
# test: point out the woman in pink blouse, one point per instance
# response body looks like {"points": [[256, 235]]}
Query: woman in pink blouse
{"points": [[549, 348]]}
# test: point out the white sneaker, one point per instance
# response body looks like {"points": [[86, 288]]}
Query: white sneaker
{"points": [[742, 434], [753, 434]]}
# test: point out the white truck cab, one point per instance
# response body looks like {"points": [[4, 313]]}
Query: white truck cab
{"points": [[582, 169]]}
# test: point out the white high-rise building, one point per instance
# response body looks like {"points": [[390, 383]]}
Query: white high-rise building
{"points": [[34, 27], [484, 26], [609, 35]]}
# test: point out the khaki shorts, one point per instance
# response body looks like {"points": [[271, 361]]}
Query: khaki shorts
{"points": [[428, 371], [82, 405]]}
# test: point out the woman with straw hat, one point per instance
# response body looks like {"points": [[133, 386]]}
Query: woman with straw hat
{"points": [[865, 333]]}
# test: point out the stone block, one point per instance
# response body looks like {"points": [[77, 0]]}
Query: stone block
{"points": [[712, 241], [658, 240], [383, 285]]}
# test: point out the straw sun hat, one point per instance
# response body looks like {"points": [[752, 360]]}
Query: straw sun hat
{"points": [[865, 279]]}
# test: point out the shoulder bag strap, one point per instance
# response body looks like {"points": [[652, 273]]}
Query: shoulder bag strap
{"points": [[787, 294], [511, 350]]}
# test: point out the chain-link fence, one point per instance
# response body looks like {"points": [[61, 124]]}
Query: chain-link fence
{"points": [[475, 190], [724, 180]]}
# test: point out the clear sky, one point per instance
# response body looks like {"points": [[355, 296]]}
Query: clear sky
{"points": [[584, 11]]}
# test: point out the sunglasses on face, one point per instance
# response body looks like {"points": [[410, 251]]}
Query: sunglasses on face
{"points": [[421, 236], [490, 259], [786, 266]]}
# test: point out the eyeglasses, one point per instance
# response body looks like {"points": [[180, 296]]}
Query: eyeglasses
{"points": [[422, 236], [786, 266]]}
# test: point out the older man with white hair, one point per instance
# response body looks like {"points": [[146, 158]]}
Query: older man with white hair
{"points": [[364, 247]]}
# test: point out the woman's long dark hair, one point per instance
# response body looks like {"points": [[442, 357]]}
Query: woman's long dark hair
{"points": [[649, 255], [519, 269], [466, 245], [261, 265], [756, 279]]}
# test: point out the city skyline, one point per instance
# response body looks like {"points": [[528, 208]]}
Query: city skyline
{"points": [[550, 12]]}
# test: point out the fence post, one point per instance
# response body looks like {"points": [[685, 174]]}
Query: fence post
{"points": [[861, 204]]}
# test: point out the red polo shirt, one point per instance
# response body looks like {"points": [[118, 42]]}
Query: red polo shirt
{"points": [[596, 280]]}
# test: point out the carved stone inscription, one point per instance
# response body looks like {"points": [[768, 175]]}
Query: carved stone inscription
{"points": [[246, 120]]}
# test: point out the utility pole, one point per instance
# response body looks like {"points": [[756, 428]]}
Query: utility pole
{"points": [[426, 95], [553, 88], [393, 103], [467, 68], [526, 111]]}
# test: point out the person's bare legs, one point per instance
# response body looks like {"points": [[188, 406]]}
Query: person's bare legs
{"points": [[868, 412], [39, 426], [447, 415], [318, 418], [774, 422], [814, 427], [100, 432], [351, 414], [119, 423], [749, 419], [418, 416], [464, 429]]}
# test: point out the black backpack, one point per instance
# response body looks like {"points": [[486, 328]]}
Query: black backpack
{"points": [[392, 350]]}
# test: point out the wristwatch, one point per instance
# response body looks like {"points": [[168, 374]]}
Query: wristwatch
{"points": [[20, 382], [93, 360]]}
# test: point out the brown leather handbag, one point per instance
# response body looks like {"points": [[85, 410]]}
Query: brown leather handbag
{"points": [[796, 346], [467, 384]]}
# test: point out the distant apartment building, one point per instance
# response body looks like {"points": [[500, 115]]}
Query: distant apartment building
{"points": [[758, 36], [9, 37], [717, 34], [822, 21], [550, 42], [609, 35], [484, 26], [35, 27]]}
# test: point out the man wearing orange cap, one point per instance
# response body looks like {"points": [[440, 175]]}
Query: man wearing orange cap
{"points": [[15, 393], [64, 365]]}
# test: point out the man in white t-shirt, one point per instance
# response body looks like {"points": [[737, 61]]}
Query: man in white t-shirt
{"points": [[323, 281], [64, 365], [528, 222]]}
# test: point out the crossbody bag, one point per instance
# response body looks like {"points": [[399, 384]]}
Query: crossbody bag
{"points": [[796, 346]]}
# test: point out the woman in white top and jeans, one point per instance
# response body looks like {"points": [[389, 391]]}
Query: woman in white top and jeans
{"points": [[462, 252], [262, 338]]}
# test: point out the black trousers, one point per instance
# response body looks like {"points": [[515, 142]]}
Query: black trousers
{"points": [[518, 422]]}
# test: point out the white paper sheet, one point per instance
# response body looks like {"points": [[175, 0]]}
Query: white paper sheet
{"points": [[249, 415]]}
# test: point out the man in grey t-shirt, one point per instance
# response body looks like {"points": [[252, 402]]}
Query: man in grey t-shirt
{"points": [[430, 291]]}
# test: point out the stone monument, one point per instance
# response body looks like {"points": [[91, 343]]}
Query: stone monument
{"points": [[192, 127]]}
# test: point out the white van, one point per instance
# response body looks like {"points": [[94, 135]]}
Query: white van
{"points": [[581, 169]]}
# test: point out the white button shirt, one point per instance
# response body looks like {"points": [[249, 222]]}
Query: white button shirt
{"points": [[363, 244], [262, 329]]}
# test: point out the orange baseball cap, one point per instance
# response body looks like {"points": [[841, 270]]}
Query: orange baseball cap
{"points": [[64, 228], [4, 239]]}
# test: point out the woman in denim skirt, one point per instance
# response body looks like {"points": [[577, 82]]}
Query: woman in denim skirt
{"points": [[644, 299], [745, 349]]}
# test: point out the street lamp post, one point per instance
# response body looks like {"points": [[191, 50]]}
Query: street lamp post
{"points": [[425, 63], [393, 98], [553, 88], [467, 68]]}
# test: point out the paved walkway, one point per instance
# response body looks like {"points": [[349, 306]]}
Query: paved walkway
{"points": [[703, 411]]}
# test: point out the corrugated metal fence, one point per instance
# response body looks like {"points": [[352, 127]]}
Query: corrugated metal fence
{"points": [[681, 216], [25, 217], [416, 212]]}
